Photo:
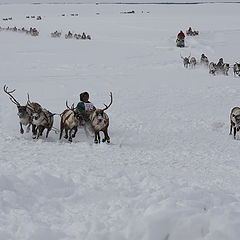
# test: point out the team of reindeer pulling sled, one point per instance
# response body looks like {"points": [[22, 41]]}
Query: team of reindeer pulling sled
{"points": [[214, 68], [34, 115]]}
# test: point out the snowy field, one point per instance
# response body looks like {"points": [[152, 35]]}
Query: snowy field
{"points": [[171, 171]]}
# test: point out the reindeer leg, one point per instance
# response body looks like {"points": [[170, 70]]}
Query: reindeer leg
{"points": [[21, 128], [34, 131], [75, 131], [61, 132], [66, 134], [96, 137], [106, 137], [38, 132], [70, 135], [48, 130], [41, 130], [234, 132], [230, 129]]}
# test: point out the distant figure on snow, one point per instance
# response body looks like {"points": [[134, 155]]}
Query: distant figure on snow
{"points": [[220, 63], [181, 35], [84, 35]]}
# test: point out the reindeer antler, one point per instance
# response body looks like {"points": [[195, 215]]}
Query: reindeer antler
{"points": [[13, 99], [71, 108], [106, 107], [28, 101]]}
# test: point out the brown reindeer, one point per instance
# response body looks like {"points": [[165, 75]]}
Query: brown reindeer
{"points": [[234, 121], [70, 120], [24, 112], [41, 118], [100, 122]]}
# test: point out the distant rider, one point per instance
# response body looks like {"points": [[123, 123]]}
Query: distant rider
{"points": [[220, 63], [181, 35]]}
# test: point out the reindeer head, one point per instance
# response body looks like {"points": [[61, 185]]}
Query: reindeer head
{"points": [[186, 59], [99, 114], [22, 110], [76, 113], [37, 113], [34, 108], [236, 120]]}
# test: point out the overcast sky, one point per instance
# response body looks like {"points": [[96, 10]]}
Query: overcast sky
{"points": [[109, 1]]}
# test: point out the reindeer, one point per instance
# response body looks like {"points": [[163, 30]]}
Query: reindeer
{"points": [[212, 68], [84, 36], [56, 34], [180, 43], [204, 60], [236, 69], [225, 68], [192, 62], [24, 112], [234, 121], [70, 120], [42, 118], [185, 61], [77, 36], [100, 122], [68, 35]]}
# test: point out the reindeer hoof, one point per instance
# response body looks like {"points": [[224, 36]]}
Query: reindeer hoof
{"points": [[96, 141], [108, 141], [21, 131], [34, 136], [66, 137]]}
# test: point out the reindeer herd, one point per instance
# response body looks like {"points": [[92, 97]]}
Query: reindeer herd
{"points": [[191, 62], [213, 69], [34, 115], [56, 34], [84, 36], [31, 31], [69, 35]]}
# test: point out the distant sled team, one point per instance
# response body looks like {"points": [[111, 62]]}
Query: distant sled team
{"points": [[180, 41], [84, 115], [214, 68], [56, 34], [31, 31]]}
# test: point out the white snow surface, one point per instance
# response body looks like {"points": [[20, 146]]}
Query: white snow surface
{"points": [[171, 171]]}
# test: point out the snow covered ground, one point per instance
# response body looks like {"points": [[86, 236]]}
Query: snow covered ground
{"points": [[171, 171]]}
